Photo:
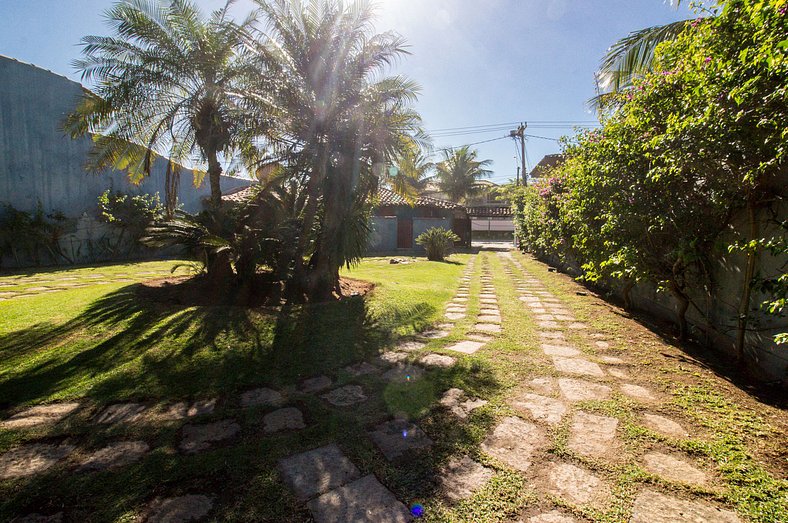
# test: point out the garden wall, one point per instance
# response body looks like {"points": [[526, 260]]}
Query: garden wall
{"points": [[714, 324], [41, 166]]}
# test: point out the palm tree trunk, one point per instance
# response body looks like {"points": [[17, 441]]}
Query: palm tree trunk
{"points": [[215, 179]]}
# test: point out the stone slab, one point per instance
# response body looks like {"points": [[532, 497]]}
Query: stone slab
{"points": [[403, 373], [182, 509], [673, 468], [515, 442], [639, 393], [466, 347], [593, 435], [361, 369], [612, 360], [434, 334], [398, 438], [577, 485], [39, 415], [393, 356], [489, 318], [543, 385], [619, 373], [487, 327], [197, 438], [581, 390], [317, 471], [316, 384], [541, 408], [32, 459], [551, 335], [438, 360], [560, 350], [363, 501], [554, 516], [549, 324], [457, 402], [578, 366], [345, 396], [115, 455], [578, 326], [454, 316], [664, 426], [654, 507], [185, 409], [289, 418], [461, 477], [410, 346], [121, 413], [262, 397]]}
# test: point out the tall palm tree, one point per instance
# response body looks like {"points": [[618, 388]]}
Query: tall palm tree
{"points": [[410, 173], [631, 57], [164, 86], [459, 171], [338, 118]]}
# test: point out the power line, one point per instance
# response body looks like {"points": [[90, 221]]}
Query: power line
{"points": [[531, 123], [543, 137], [440, 149]]}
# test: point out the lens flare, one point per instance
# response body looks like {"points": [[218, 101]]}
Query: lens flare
{"points": [[417, 510]]}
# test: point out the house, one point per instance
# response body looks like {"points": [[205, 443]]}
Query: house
{"points": [[545, 165], [397, 222]]}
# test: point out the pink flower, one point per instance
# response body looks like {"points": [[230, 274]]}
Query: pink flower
{"points": [[783, 10], [707, 59]]}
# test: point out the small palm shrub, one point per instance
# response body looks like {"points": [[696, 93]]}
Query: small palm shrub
{"points": [[438, 243]]}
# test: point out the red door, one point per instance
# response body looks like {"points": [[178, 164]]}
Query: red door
{"points": [[405, 233]]}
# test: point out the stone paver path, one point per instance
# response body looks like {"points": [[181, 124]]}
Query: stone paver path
{"points": [[345, 396], [459, 404], [317, 471], [289, 418], [197, 438], [515, 442], [31, 459], [39, 415], [653, 507], [115, 455], [121, 413], [461, 477], [577, 485], [399, 438], [363, 501], [182, 509]]}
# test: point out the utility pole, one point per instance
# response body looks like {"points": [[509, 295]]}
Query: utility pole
{"points": [[518, 176], [520, 133]]}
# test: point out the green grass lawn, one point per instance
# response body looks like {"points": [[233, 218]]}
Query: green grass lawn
{"points": [[102, 343]]}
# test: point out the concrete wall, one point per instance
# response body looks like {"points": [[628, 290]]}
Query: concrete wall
{"points": [[384, 234], [714, 321], [40, 165]]}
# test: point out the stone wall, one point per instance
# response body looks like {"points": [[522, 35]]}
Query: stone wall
{"points": [[41, 166]]}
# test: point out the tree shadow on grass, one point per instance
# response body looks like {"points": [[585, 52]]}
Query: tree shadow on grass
{"points": [[127, 345]]}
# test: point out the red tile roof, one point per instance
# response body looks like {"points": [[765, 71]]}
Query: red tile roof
{"points": [[387, 197]]}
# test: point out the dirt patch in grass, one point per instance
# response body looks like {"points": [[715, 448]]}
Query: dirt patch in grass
{"points": [[262, 291]]}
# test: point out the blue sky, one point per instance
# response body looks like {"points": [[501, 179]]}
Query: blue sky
{"points": [[478, 61]]}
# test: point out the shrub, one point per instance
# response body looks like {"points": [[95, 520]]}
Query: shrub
{"points": [[437, 242], [130, 215], [24, 236]]}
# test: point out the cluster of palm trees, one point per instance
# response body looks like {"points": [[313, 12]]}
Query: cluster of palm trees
{"points": [[297, 83], [301, 84]]}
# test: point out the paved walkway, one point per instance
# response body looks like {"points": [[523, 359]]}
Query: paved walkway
{"points": [[552, 429]]}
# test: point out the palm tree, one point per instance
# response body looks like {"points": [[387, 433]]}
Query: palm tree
{"points": [[164, 86], [631, 58], [459, 171], [338, 121], [410, 173]]}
